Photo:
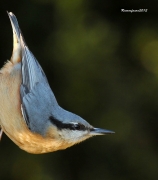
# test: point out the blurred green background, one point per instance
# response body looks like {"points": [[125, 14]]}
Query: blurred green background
{"points": [[101, 64]]}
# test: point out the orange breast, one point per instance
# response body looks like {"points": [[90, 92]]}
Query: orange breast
{"points": [[11, 119]]}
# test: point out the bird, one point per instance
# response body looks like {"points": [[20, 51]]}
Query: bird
{"points": [[29, 112]]}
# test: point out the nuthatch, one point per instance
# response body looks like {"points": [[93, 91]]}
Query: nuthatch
{"points": [[29, 113]]}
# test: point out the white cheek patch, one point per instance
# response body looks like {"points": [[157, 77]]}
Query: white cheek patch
{"points": [[74, 136]]}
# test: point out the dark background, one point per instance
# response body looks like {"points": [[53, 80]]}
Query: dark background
{"points": [[101, 64]]}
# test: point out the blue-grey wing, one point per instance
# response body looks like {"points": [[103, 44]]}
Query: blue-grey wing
{"points": [[37, 107], [38, 101], [31, 69]]}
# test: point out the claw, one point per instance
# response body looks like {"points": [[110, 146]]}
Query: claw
{"points": [[1, 132]]}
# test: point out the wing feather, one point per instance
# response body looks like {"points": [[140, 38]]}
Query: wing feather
{"points": [[37, 99], [31, 69]]}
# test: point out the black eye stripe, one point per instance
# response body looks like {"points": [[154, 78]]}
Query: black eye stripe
{"points": [[71, 126], [79, 126]]}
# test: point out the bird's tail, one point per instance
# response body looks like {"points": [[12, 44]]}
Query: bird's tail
{"points": [[17, 50]]}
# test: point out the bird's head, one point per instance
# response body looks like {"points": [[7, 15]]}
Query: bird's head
{"points": [[73, 129]]}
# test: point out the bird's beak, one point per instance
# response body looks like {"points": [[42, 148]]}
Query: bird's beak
{"points": [[98, 131]]}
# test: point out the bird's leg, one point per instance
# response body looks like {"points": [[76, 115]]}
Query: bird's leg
{"points": [[1, 132]]}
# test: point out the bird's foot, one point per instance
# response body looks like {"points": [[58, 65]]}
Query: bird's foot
{"points": [[1, 132]]}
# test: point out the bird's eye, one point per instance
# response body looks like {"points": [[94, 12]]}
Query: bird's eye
{"points": [[78, 126]]}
